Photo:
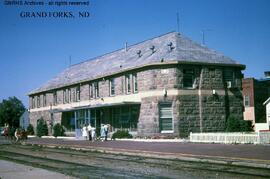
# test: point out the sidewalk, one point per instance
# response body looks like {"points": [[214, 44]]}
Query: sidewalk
{"points": [[238, 155], [11, 170]]}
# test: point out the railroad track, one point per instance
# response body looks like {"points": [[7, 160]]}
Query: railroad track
{"points": [[98, 165]]}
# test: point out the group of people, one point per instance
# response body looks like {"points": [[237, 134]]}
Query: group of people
{"points": [[11, 132], [89, 132]]}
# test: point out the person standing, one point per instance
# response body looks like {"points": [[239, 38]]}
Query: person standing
{"points": [[84, 132], [89, 128], [93, 134], [102, 132], [106, 129]]}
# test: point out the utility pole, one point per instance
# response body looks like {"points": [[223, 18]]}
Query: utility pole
{"points": [[178, 25], [203, 31]]}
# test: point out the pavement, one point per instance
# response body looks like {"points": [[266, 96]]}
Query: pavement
{"points": [[11, 170], [239, 155]]}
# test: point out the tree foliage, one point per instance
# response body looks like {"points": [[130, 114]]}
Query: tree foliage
{"points": [[58, 130], [30, 130], [238, 125], [11, 110], [42, 128], [120, 134]]}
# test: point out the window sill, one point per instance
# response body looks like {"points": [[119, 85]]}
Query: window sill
{"points": [[167, 132]]}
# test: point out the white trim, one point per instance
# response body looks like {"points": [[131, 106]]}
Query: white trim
{"points": [[167, 132]]}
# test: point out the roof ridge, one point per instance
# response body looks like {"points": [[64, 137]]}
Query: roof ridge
{"points": [[132, 45]]}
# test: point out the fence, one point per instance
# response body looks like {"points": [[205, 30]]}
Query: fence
{"points": [[232, 137]]}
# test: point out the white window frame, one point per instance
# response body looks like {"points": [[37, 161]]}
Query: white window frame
{"points": [[112, 86], [135, 82], [166, 131], [128, 84], [247, 97]]}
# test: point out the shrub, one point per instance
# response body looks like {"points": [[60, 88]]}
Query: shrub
{"points": [[234, 124], [30, 130], [58, 130], [42, 128], [120, 134]]}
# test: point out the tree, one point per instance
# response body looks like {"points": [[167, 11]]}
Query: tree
{"points": [[238, 125], [30, 130], [42, 128], [58, 130], [11, 110]]}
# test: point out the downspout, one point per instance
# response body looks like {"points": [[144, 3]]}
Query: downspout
{"points": [[200, 100]]}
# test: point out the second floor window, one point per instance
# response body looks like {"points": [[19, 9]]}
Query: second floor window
{"points": [[78, 93], [38, 101], [128, 85], [135, 83], [33, 102], [112, 87], [188, 78], [94, 90], [44, 100], [246, 101], [55, 98]]}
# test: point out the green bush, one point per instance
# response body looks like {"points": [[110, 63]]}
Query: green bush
{"points": [[234, 124], [30, 130], [120, 134], [58, 130], [42, 128]]}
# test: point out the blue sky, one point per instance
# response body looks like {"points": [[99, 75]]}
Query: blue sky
{"points": [[34, 50]]}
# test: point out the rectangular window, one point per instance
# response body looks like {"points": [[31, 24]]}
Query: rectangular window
{"points": [[69, 95], [128, 85], [33, 102], [78, 93], [54, 98], [247, 101], [91, 90], [135, 83], [188, 78], [112, 87], [64, 96], [44, 100], [96, 87], [38, 101], [228, 75], [165, 117]]}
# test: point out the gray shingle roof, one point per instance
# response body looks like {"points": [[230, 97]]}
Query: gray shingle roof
{"points": [[184, 50]]}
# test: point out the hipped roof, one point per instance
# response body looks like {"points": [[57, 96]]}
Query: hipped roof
{"points": [[182, 50]]}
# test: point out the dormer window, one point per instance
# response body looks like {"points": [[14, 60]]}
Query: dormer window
{"points": [[139, 53], [153, 49], [170, 45]]}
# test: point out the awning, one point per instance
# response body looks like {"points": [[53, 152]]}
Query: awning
{"points": [[98, 106]]}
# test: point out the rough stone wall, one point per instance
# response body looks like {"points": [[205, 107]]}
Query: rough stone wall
{"points": [[46, 115], [149, 124], [189, 119], [186, 112], [157, 79]]}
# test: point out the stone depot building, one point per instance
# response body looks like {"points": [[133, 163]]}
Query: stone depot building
{"points": [[167, 85]]}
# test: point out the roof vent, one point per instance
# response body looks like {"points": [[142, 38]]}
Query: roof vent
{"points": [[153, 49], [139, 53], [171, 46]]}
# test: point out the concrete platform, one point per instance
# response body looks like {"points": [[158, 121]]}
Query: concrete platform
{"points": [[10, 170]]}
